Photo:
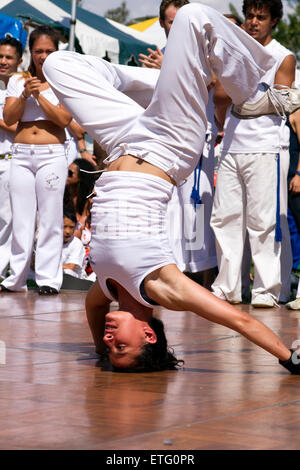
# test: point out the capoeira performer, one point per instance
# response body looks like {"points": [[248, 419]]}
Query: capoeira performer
{"points": [[150, 151]]}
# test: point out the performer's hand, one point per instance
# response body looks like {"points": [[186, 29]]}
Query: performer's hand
{"points": [[90, 158]]}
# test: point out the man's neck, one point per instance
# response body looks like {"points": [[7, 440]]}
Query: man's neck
{"points": [[266, 41]]}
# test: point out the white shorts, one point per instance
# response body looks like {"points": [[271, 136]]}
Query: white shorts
{"points": [[129, 237]]}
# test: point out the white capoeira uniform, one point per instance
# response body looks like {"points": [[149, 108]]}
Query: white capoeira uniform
{"points": [[6, 140], [37, 181], [246, 199], [169, 134]]}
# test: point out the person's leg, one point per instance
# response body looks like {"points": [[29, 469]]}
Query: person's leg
{"points": [[23, 200], [50, 183], [175, 291], [228, 224], [5, 217], [89, 88], [261, 187]]}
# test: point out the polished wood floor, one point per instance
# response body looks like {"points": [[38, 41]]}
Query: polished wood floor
{"points": [[55, 395]]}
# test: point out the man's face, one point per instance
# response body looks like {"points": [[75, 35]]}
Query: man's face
{"points": [[259, 24], [9, 61], [170, 14]]}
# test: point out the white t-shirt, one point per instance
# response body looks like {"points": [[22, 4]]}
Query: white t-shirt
{"points": [[74, 253], [33, 111], [6, 138], [261, 134]]}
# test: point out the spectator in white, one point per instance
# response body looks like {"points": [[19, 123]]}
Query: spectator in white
{"points": [[10, 58], [73, 252], [38, 170], [247, 190]]}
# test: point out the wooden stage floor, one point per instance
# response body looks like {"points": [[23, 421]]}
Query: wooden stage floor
{"points": [[55, 395]]}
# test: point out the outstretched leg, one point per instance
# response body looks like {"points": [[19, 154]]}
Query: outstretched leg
{"points": [[173, 290]]}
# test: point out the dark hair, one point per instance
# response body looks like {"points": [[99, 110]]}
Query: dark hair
{"points": [[13, 42], [236, 19], [43, 30], [158, 356], [274, 6], [70, 214], [166, 3], [86, 183]]}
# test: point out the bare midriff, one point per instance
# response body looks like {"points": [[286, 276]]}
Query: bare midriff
{"points": [[130, 163], [39, 133]]}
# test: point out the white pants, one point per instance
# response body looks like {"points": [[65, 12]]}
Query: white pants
{"points": [[5, 216], [246, 200], [170, 133], [191, 237], [37, 181], [286, 257]]}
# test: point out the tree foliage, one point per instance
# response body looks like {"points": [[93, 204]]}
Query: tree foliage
{"points": [[119, 14], [288, 32]]}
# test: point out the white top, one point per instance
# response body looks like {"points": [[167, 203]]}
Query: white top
{"points": [[33, 111], [74, 253], [261, 134], [6, 138]]}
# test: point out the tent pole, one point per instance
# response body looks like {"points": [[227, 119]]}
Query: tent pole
{"points": [[72, 26]]}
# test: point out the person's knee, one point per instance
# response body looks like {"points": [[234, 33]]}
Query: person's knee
{"points": [[242, 322]]}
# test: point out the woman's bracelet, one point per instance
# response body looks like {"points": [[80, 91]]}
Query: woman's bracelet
{"points": [[83, 150], [23, 96]]}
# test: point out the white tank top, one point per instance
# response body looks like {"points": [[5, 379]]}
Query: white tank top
{"points": [[33, 111], [263, 134]]}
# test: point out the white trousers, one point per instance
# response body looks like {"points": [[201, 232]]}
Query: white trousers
{"points": [[5, 216], [191, 236], [37, 181], [246, 200], [170, 133], [286, 257]]}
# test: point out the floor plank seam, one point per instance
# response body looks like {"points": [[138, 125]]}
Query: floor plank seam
{"points": [[194, 423]]}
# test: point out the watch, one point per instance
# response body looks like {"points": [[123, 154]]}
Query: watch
{"points": [[297, 172], [84, 150]]}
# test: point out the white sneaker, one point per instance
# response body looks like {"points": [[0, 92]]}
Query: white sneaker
{"points": [[293, 305], [222, 296], [281, 101], [264, 301]]}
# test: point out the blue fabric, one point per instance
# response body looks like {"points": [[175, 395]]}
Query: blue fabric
{"points": [[295, 240], [11, 27], [195, 194], [278, 233]]}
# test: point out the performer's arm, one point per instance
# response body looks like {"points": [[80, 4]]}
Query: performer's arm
{"points": [[221, 101], [97, 306]]}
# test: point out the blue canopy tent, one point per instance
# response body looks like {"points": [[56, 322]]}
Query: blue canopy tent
{"points": [[95, 34]]}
